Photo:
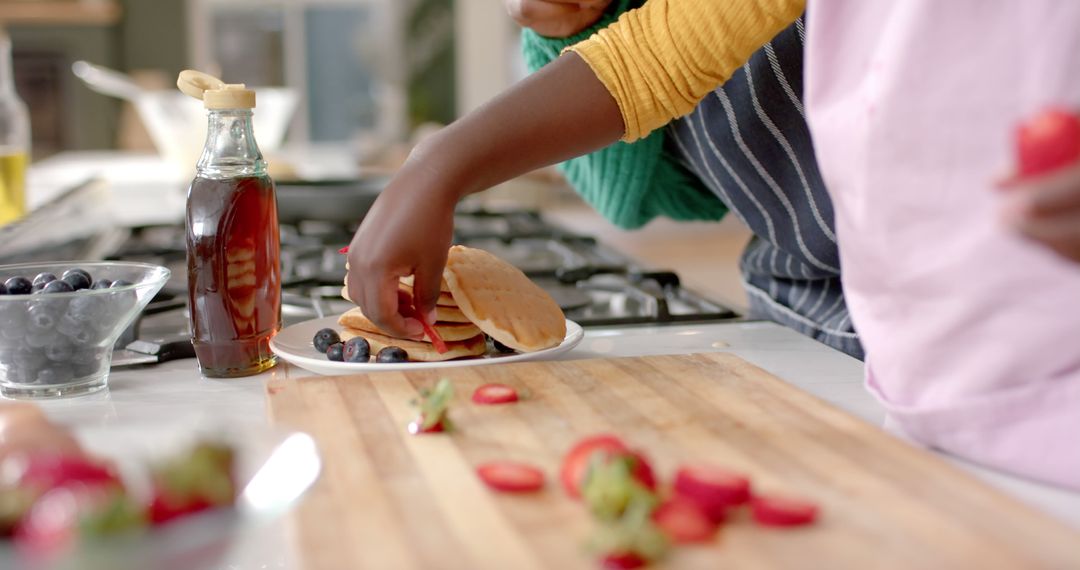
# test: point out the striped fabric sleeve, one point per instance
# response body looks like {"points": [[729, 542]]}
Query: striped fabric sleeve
{"points": [[660, 60]]}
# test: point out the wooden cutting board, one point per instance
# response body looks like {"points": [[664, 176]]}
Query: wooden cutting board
{"points": [[389, 500]]}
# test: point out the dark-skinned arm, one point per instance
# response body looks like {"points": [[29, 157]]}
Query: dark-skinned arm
{"points": [[560, 112]]}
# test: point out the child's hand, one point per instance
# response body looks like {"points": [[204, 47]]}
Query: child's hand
{"points": [[1047, 209], [560, 112], [556, 18], [407, 232]]}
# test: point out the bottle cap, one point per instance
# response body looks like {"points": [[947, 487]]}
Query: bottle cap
{"points": [[215, 93]]}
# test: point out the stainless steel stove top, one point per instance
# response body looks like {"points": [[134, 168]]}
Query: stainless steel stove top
{"points": [[594, 284]]}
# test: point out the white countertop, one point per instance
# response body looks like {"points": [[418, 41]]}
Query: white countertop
{"points": [[175, 391]]}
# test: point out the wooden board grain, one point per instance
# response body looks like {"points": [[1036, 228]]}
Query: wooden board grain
{"points": [[390, 500]]}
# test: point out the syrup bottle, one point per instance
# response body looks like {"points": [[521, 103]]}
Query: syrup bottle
{"points": [[233, 247]]}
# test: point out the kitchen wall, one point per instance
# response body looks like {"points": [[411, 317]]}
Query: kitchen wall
{"points": [[47, 37]]}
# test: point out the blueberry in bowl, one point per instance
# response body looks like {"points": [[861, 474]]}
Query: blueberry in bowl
{"points": [[59, 321]]}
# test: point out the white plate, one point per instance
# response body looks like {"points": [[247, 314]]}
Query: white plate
{"points": [[293, 344]]}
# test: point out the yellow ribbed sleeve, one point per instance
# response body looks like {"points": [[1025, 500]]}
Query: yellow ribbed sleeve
{"points": [[660, 60]]}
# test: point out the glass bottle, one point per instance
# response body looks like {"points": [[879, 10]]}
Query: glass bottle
{"points": [[14, 140], [233, 248]]}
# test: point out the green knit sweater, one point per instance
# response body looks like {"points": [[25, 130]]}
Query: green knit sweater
{"points": [[628, 183]]}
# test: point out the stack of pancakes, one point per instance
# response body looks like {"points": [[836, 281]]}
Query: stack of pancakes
{"points": [[480, 295]]}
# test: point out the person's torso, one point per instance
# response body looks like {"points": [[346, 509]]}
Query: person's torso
{"points": [[748, 142]]}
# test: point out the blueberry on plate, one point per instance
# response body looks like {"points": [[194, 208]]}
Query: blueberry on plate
{"points": [[43, 279], [357, 349], [502, 347], [18, 285], [335, 352], [324, 338], [392, 354], [101, 284], [58, 286]]}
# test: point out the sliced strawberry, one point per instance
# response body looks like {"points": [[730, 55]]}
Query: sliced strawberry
{"points": [[713, 489], [46, 471], [511, 477], [66, 514], [783, 511], [195, 481], [643, 471], [683, 522], [495, 394], [417, 427], [434, 405], [164, 509], [343, 250], [575, 464], [622, 561], [432, 334], [1047, 142]]}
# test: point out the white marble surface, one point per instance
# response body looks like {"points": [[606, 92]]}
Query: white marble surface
{"points": [[175, 391]]}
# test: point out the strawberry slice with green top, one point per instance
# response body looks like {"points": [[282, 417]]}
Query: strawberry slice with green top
{"points": [[198, 480], [632, 540], [613, 483], [434, 405], [579, 460]]}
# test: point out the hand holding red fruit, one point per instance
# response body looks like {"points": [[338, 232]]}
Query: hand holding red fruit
{"points": [[1042, 200]]}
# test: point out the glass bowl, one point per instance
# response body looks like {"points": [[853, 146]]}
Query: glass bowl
{"points": [[55, 344], [275, 468]]}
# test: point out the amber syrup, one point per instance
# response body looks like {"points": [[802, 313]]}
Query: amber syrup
{"points": [[234, 273]]}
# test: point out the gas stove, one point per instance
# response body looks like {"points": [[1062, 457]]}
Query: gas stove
{"points": [[594, 284]]}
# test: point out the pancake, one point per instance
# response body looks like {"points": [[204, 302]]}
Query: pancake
{"points": [[355, 319], [445, 298], [503, 301], [443, 314], [421, 351]]}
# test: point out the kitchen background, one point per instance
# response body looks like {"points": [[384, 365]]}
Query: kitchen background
{"points": [[368, 77]]}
